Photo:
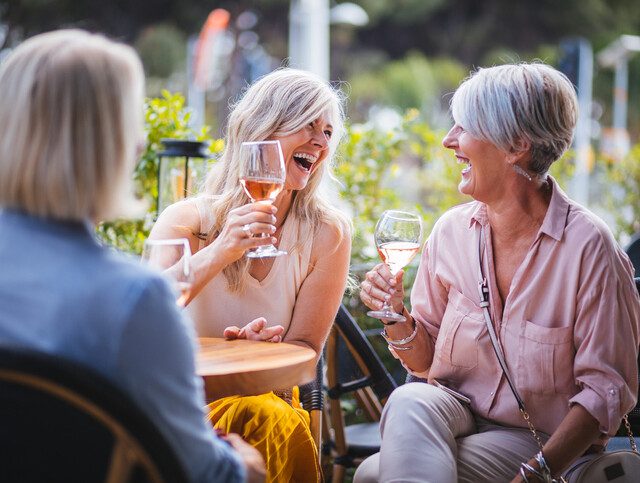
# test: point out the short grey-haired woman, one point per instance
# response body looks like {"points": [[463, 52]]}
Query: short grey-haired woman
{"points": [[561, 299], [293, 297], [71, 117]]}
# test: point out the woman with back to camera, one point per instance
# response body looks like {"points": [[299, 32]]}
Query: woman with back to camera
{"points": [[561, 295], [293, 297], [71, 115]]}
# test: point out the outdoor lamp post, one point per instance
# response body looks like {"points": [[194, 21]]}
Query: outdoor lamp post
{"points": [[177, 173], [309, 38], [616, 56]]}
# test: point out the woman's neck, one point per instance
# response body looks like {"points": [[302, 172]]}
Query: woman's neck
{"points": [[522, 209], [283, 202]]}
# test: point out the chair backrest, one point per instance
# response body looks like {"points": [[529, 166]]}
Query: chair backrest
{"points": [[633, 251], [63, 422], [634, 414], [357, 365]]}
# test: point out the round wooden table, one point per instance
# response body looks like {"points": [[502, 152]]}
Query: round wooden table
{"points": [[248, 368]]}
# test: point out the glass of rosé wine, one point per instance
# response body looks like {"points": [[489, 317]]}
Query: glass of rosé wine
{"points": [[173, 257], [262, 174], [397, 237]]}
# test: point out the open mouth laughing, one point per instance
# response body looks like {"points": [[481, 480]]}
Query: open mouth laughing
{"points": [[304, 160], [463, 160]]}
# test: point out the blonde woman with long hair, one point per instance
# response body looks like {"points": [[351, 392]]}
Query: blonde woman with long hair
{"points": [[293, 297]]}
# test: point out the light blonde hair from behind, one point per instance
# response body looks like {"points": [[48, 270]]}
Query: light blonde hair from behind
{"points": [[511, 104], [71, 117], [279, 104]]}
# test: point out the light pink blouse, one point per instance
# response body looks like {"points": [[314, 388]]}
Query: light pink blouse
{"points": [[569, 327]]}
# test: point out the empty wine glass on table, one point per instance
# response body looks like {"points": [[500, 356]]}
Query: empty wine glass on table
{"points": [[173, 257], [262, 174], [397, 237]]}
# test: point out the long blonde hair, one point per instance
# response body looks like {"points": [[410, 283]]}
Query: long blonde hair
{"points": [[279, 104]]}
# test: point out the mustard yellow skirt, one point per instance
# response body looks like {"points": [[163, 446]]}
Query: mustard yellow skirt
{"points": [[278, 430]]}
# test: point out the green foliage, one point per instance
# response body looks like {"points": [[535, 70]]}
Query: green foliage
{"points": [[164, 117], [368, 158], [411, 82], [622, 199], [162, 49]]}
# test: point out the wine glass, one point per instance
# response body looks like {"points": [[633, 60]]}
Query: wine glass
{"points": [[262, 174], [397, 237], [173, 257]]}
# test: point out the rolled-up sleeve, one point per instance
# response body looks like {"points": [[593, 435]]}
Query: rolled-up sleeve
{"points": [[606, 339]]}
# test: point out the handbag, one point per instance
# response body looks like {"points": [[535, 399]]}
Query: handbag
{"points": [[621, 466]]}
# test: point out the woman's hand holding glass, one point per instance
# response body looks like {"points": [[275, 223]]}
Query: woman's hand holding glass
{"points": [[262, 175], [174, 258], [397, 237], [381, 287], [247, 227], [255, 330]]}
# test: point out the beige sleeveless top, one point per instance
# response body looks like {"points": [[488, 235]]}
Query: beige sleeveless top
{"points": [[215, 307]]}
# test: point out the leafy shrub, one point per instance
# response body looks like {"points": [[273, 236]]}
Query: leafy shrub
{"points": [[164, 117]]}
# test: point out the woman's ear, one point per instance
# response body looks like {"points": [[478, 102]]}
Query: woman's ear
{"points": [[520, 153]]}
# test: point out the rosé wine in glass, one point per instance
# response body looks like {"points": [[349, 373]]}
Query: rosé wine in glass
{"points": [[397, 237], [173, 257], [262, 175]]}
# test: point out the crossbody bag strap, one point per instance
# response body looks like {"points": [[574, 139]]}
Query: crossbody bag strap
{"points": [[483, 288]]}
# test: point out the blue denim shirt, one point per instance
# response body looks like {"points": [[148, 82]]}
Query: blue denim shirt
{"points": [[64, 294]]}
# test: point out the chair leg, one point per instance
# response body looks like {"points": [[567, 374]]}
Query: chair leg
{"points": [[315, 417], [338, 474]]}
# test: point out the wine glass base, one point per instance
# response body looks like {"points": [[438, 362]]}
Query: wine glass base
{"points": [[268, 251], [386, 314]]}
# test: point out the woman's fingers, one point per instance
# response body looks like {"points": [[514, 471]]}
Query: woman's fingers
{"points": [[256, 325], [272, 333], [257, 206], [380, 279], [231, 333], [252, 229], [380, 286], [258, 330]]}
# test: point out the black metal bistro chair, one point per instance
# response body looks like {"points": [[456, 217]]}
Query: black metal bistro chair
{"points": [[60, 422], [353, 367]]}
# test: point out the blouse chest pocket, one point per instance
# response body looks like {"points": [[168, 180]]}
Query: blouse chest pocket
{"points": [[461, 327], [545, 359]]}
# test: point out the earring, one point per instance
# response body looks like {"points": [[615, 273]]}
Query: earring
{"points": [[521, 172]]}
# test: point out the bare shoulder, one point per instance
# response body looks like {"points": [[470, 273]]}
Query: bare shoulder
{"points": [[332, 237], [179, 219]]}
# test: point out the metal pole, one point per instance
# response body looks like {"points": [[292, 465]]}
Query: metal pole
{"points": [[582, 142], [621, 84], [309, 36], [195, 95]]}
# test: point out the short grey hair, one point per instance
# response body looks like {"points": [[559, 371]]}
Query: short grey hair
{"points": [[511, 104], [71, 117]]}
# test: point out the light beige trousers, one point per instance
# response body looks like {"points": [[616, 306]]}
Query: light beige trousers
{"points": [[429, 436]]}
